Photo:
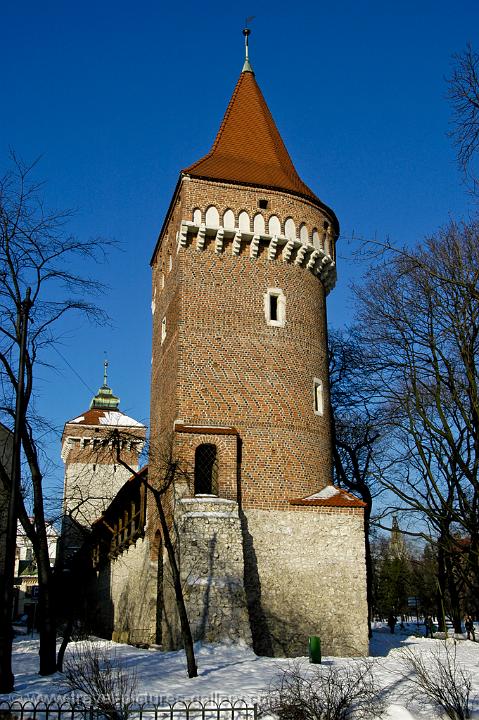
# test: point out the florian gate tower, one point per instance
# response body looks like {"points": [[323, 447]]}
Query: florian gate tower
{"points": [[270, 551]]}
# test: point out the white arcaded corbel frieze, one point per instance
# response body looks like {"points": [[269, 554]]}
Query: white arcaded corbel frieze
{"points": [[272, 247], [237, 243], [254, 247], [200, 240], [300, 255], [329, 271], [183, 235], [313, 259], [287, 250], [219, 241], [325, 262]]}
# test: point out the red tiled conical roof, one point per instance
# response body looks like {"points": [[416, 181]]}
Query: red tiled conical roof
{"points": [[248, 148]]}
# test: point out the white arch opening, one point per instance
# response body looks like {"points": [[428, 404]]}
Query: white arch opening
{"points": [[259, 225], [274, 225], [229, 220], [243, 221], [290, 229], [212, 217]]}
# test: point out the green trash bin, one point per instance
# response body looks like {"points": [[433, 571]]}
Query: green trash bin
{"points": [[314, 646]]}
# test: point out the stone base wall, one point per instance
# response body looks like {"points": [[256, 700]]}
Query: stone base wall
{"points": [[126, 597], [208, 536], [270, 578], [305, 574]]}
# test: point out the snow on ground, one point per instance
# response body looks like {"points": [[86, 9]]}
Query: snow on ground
{"points": [[234, 671]]}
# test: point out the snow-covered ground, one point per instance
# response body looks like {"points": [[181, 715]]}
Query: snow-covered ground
{"points": [[233, 671]]}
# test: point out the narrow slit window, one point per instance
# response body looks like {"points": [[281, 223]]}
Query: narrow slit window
{"points": [[275, 307], [163, 330], [318, 397]]}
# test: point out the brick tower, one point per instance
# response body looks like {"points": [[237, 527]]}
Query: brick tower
{"points": [[93, 475], [241, 270]]}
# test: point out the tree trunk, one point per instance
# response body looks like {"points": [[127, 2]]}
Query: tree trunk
{"points": [[46, 589], [47, 624], [67, 634], [453, 594], [180, 601], [441, 589]]}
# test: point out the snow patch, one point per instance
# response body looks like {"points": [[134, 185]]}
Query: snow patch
{"points": [[208, 498], [232, 670], [117, 418], [208, 514], [328, 492], [220, 582]]}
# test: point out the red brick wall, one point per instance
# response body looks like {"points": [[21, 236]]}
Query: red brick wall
{"points": [[221, 364]]}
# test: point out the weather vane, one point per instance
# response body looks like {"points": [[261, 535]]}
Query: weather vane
{"points": [[247, 33]]}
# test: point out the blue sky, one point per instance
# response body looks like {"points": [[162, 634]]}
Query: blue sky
{"points": [[117, 97]]}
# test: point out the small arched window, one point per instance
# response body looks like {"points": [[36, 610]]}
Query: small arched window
{"points": [[229, 220], [212, 217], [244, 224], [326, 238], [258, 224], [197, 216], [206, 470], [303, 234], [274, 225], [290, 229]]}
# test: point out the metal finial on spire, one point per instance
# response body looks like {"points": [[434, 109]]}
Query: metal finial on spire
{"points": [[104, 399], [247, 32]]}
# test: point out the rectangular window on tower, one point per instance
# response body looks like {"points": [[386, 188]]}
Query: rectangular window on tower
{"points": [[163, 330], [275, 307], [318, 397]]}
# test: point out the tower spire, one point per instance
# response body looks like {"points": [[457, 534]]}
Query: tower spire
{"points": [[104, 399], [247, 32]]}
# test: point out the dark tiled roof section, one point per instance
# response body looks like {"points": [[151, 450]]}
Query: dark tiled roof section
{"points": [[248, 148], [205, 429], [92, 417], [341, 499]]}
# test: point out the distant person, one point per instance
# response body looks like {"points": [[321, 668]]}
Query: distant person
{"points": [[469, 625], [392, 620], [429, 626]]}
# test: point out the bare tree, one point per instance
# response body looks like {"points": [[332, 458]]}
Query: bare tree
{"points": [[328, 692], [356, 430], [419, 324], [36, 252], [103, 678], [463, 93], [440, 678], [167, 471]]}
